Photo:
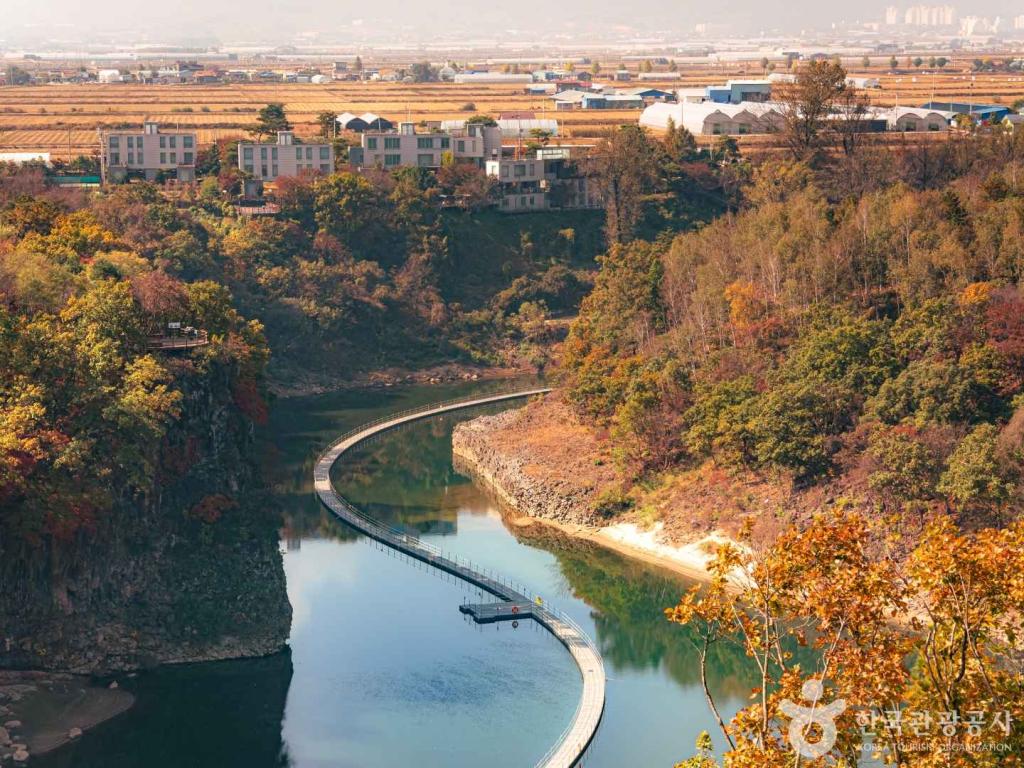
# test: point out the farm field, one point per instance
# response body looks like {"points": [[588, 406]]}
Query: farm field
{"points": [[63, 119]]}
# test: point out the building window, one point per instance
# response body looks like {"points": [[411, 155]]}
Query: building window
{"points": [[163, 142], [273, 153], [298, 153], [716, 129], [309, 153], [163, 158], [371, 143], [445, 142], [131, 142], [174, 142], [138, 145], [392, 142], [424, 142], [115, 158], [744, 128], [263, 171], [460, 146], [263, 153], [532, 170], [424, 161], [247, 153], [273, 171], [392, 159], [131, 158], [248, 168], [325, 153], [325, 167], [186, 142], [933, 126], [504, 171], [910, 127], [174, 158], [520, 170], [187, 159], [115, 142]]}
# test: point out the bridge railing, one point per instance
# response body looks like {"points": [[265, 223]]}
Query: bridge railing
{"points": [[412, 541], [426, 408]]}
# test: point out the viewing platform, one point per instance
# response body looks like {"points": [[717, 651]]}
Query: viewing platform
{"points": [[488, 613], [514, 600], [183, 341]]}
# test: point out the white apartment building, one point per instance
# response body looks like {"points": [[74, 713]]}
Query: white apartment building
{"points": [[147, 153], [930, 16], [268, 162], [473, 143]]}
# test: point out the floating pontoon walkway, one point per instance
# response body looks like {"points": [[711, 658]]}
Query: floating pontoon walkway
{"points": [[577, 737]]}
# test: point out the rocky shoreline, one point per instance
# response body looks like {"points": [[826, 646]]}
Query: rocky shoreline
{"points": [[563, 500], [41, 711], [540, 477]]}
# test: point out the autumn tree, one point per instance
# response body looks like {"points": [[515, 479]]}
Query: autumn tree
{"points": [[623, 168], [328, 123], [836, 588], [271, 119], [807, 104]]}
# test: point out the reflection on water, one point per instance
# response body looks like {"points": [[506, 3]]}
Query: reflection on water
{"points": [[383, 669], [218, 714]]}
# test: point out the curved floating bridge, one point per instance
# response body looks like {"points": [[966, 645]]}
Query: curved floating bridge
{"points": [[513, 600]]}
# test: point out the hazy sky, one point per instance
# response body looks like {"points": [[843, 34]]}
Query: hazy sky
{"points": [[232, 20]]}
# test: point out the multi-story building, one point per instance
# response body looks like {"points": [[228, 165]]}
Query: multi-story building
{"points": [[738, 91], [268, 162], [544, 180], [473, 143], [930, 16], [147, 153]]}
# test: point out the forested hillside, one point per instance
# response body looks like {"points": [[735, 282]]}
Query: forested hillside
{"points": [[832, 375], [126, 470], [870, 341], [120, 458]]}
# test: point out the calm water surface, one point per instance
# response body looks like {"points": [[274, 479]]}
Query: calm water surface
{"points": [[383, 671]]}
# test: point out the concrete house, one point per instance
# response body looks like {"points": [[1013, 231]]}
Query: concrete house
{"points": [[472, 143], [540, 181], [147, 153], [268, 162], [739, 91]]}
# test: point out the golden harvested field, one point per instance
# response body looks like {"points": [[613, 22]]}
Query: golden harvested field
{"points": [[63, 118], [48, 117]]}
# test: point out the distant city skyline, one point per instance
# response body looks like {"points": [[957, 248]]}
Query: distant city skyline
{"points": [[211, 22], [208, 21]]}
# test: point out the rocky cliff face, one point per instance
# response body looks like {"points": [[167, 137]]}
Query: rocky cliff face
{"points": [[537, 459], [189, 570]]}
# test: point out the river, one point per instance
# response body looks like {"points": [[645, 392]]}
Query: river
{"points": [[383, 671]]}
